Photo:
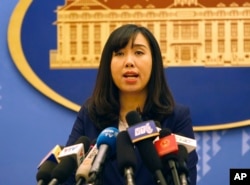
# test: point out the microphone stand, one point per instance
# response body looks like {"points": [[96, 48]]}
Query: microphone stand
{"points": [[53, 182], [128, 172], [183, 179], [160, 180], [174, 172]]}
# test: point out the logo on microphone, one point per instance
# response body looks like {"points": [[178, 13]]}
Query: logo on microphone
{"points": [[110, 133], [142, 131], [145, 129], [166, 145], [71, 150]]}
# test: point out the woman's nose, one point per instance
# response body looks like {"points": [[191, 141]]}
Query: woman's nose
{"points": [[129, 64], [129, 61]]}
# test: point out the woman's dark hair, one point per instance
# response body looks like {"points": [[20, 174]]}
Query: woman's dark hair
{"points": [[103, 106]]}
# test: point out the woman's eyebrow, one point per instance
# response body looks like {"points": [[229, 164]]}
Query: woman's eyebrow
{"points": [[138, 45]]}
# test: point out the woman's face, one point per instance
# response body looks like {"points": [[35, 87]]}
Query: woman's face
{"points": [[131, 66]]}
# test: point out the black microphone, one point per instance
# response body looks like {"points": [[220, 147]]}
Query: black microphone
{"points": [[106, 144], [141, 134], [71, 157], [126, 158], [47, 164], [167, 149], [181, 165], [43, 175]]}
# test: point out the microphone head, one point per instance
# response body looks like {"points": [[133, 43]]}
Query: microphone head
{"points": [[93, 142], [85, 141], [64, 169], [108, 137], [149, 155], [158, 125], [71, 158], [164, 132], [52, 155], [182, 153], [166, 145], [133, 117], [125, 152], [189, 143], [182, 156], [84, 169], [44, 172], [77, 150], [141, 133]]}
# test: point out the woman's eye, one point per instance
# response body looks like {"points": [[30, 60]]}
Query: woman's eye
{"points": [[138, 52], [119, 53]]}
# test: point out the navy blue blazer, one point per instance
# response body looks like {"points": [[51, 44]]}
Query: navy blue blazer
{"points": [[178, 122]]}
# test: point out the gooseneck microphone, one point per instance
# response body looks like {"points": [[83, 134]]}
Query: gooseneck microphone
{"points": [[47, 164], [43, 175], [167, 149], [126, 158], [70, 158], [141, 134], [106, 144]]}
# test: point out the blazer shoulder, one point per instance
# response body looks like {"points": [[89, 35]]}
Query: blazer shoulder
{"points": [[181, 109]]}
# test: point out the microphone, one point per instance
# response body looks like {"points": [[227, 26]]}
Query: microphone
{"points": [[52, 155], [71, 157], [43, 176], [106, 144], [189, 143], [141, 134], [182, 156], [126, 158], [166, 143], [167, 149], [47, 164], [82, 173]]}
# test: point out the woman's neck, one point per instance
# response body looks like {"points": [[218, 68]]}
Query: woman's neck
{"points": [[130, 102]]}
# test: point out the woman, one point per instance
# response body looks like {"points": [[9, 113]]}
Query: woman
{"points": [[131, 77]]}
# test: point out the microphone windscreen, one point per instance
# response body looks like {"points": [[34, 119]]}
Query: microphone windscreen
{"points": [[133, 117], [108, 137], [182, 159], [64, 170], [182, 153], [158, 124], [69, 163], [93, 142], [149, 155], [85, 141], [146, 148], [125, 152], [44, 172], [164, 132]]}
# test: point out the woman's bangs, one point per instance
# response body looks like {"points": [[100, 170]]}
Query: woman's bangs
{"points": [[122, 39]]}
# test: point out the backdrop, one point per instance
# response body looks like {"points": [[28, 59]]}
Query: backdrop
{"points": [[32, 124]]}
